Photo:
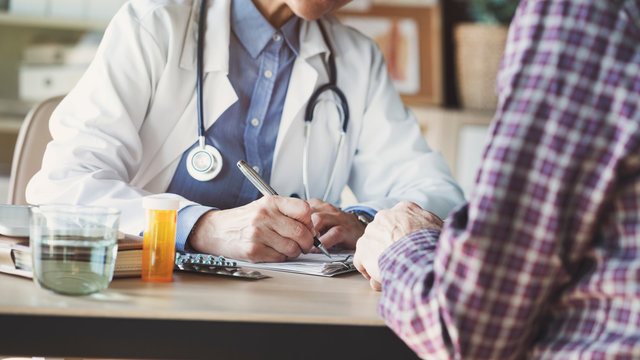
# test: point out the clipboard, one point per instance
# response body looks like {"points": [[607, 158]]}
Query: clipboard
{"points": [[311, 264]]}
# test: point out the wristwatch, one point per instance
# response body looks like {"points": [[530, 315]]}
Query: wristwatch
{"points": [[363, 217]]}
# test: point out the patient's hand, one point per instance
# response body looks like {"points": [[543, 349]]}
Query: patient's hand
{"points": [[388, 227]]}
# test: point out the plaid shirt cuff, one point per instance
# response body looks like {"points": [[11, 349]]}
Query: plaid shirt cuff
{"points": [[410, 248], [407, 304]]}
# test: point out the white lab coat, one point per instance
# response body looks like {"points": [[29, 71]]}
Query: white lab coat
{"points": [[120, 133]]}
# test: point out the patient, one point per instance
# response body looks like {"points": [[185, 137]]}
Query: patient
{"points": [[544, 260]]}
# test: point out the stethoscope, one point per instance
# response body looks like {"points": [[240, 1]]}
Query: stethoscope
{"points": [[204, 162]]}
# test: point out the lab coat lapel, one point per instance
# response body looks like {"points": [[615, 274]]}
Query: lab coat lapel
{"points": [[216, 50], [303, 81], [217, 89]]}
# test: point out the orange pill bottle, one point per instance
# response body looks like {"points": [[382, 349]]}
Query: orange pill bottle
{"points": [[159, 238]]}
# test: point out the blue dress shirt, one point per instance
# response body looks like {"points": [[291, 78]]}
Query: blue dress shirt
{"points": [[260, 63]]}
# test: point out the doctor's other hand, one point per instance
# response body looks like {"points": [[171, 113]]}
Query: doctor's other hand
{"points": [[388, 227], [334, 226], [270, 229]]}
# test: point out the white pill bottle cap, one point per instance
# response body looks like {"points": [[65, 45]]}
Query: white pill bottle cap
{"points": [[161, 202]]}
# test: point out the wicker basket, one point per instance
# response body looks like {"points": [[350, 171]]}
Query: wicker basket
{"points": [[479, 49]]}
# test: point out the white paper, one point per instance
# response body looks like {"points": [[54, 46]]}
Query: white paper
{"points": [[311, 264]]}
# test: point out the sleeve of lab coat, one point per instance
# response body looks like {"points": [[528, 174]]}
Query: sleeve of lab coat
{"points": [[96, 148], [392, 156]]}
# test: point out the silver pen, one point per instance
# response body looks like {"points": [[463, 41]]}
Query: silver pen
{"points": [[266, 190]]}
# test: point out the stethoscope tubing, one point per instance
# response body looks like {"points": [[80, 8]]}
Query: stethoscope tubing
{"points": [[313, 100], [305, 153], [199, 71], [343, 110]]}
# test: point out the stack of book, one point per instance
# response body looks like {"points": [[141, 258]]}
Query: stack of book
{"points": [[15, 256]]}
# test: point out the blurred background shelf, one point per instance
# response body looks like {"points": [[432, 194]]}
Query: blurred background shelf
{"points": [[10, 123], [47, 22], [460, 136], [18, 33]]}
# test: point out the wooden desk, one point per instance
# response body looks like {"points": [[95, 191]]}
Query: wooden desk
{"points": [[200, 317]]}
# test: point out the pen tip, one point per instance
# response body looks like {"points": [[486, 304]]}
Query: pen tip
{"points": [[324, 250]]}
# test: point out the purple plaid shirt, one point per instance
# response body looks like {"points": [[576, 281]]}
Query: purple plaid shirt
{"points": [[544, 261]]}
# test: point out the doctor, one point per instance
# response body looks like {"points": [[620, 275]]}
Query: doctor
{"points": [[131, 125]]}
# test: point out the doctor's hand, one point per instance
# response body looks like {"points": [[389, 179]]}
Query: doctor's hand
{"points": [[335, 226], [388, 227], [269, 229]]}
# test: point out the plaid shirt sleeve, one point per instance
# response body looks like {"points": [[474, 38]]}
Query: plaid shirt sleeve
{"points": [[557, 190]]}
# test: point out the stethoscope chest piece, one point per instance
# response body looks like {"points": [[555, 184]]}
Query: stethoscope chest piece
{"points": [[204, 162]]}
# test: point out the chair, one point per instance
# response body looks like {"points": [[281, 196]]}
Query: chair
{"points": [[33, 138]]}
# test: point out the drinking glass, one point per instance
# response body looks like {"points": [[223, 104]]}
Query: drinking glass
{"points": [[73, 248]]}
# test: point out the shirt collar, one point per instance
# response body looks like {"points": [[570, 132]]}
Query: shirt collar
{"points": [[290, 31], [254, 32]]}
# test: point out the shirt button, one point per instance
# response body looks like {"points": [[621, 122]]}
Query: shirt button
{"points": [[257, 169], [255, 122], [276, 37], [268, 74]]}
